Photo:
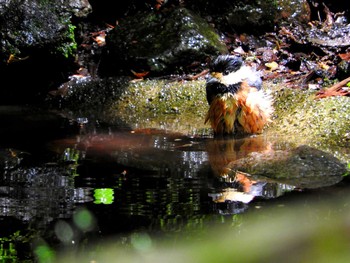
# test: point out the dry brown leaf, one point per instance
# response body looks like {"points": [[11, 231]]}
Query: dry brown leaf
{"points": [[140, 75], [336, 90], [345, 56]]}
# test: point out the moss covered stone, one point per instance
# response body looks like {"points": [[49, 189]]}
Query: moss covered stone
{"points": [[299, 114], [321, 123], [161, 43], [299, 118], [180, 106]]}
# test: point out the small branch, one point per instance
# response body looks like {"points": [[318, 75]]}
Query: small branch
{"points": [[203, 73], [334, 90]]}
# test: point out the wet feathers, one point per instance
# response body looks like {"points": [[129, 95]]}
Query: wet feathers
{"points": [[237, 103]]}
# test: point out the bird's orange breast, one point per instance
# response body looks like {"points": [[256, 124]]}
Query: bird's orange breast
{"points": [[247, 111], [222, 114]]}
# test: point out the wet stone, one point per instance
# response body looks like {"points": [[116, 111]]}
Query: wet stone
{"points": [[162, 44], [302, 167]]}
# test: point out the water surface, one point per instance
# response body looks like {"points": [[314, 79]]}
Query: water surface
{"points": [[69, 183]]}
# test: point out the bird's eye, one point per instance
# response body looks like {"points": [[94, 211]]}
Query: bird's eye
{"points": [[226, 72]]}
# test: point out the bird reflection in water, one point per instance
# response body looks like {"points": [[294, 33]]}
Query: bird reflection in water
{"points": [[240, 186], [238, 106]]}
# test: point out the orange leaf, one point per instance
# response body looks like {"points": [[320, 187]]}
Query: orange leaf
{"points": [[345, 56], [12, 58], [140, 75]]}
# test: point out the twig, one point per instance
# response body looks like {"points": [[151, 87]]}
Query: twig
{"points": [[203, 73], [334, 90]]}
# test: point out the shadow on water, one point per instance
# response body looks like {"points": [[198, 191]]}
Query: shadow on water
{"points": [[65, 185]]}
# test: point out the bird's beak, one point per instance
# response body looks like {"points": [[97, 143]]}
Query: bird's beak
{"points": [[216, 75]]}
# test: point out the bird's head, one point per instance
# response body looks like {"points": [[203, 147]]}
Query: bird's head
{"points": [[226, 69], [227, 72]]}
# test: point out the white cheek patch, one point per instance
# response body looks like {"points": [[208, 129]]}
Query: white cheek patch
{"points": [[244, 73]]}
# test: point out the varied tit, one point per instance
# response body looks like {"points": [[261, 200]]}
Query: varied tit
{"points": [[238, 104]]}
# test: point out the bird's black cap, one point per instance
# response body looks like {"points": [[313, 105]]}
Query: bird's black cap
{"points": [[226, 64]]}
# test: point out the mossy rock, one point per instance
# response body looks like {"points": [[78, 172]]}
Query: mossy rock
{"points": [[301, 167], [301, 116], [177, 106], [161, 43], [31, 25]]}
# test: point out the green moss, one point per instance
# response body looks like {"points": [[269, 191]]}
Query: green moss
{"points": [[329, 82], [152, 103], [69, 47], [322, 123]]}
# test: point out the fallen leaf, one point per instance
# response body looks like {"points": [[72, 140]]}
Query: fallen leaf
{"points": [[140, 75], [12, 58], [272, 66], [99, 38], [323, 65], [314, 86], [345, 56]]}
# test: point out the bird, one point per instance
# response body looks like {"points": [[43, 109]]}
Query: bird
{"points": [[237, 103]]}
